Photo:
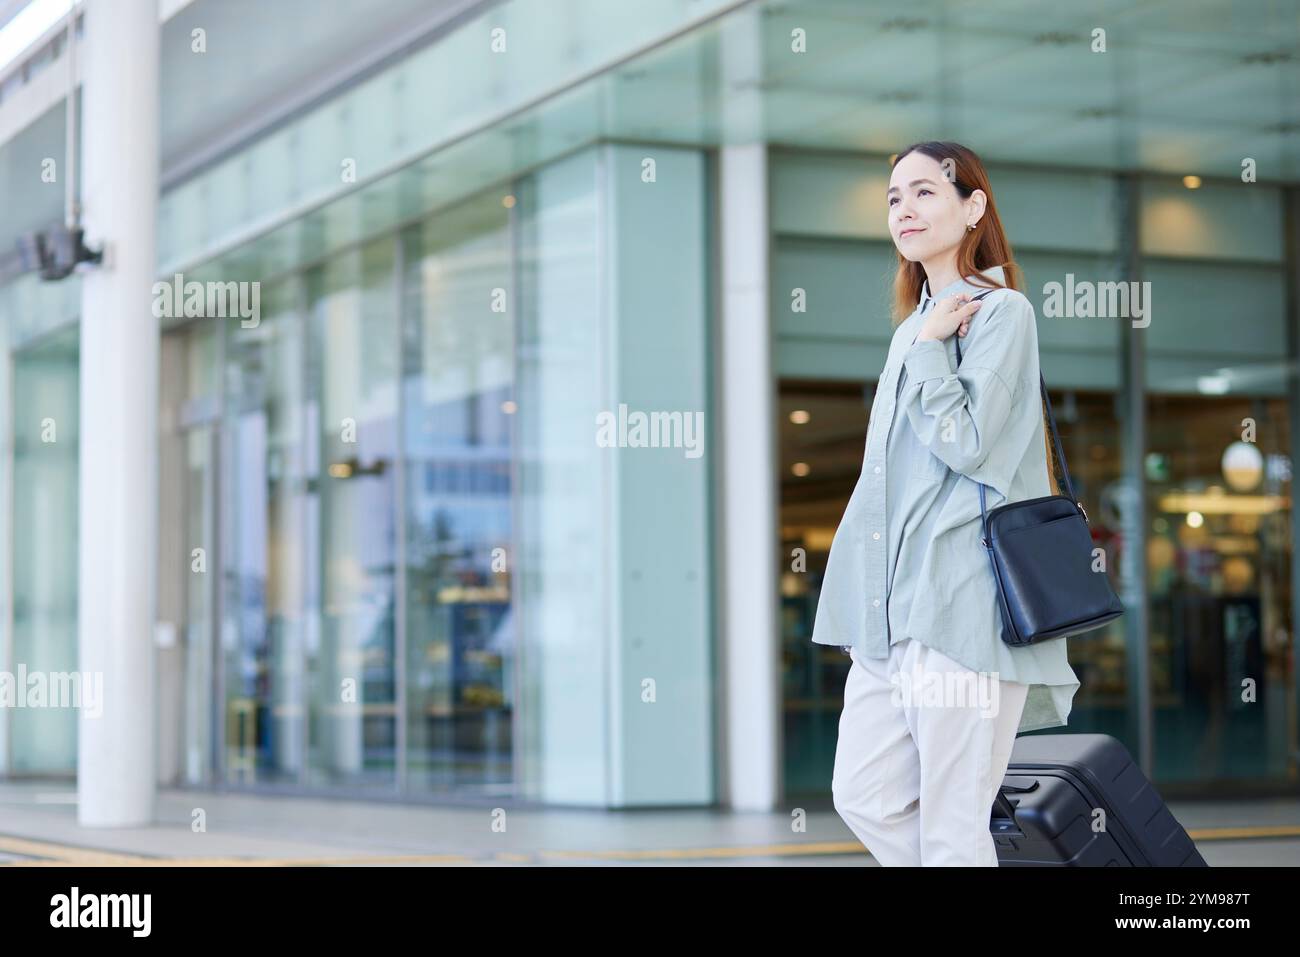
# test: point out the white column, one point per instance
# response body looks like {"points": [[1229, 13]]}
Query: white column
{"points": [[751, 659], [119, 408]]}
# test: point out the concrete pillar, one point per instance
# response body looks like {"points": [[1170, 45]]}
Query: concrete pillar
{"points": [[119, 408]]}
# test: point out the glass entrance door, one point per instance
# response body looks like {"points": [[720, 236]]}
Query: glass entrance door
{"points": [[345, 474]]}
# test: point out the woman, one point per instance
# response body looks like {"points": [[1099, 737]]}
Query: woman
{"points": [[934, 697]]}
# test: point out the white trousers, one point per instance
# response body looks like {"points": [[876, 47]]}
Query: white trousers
{"points": [[923, 745]]}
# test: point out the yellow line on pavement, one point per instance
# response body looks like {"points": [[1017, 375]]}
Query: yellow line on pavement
{"points": [[44, 854], [761, 850], [64, 853], [1233, 833]]}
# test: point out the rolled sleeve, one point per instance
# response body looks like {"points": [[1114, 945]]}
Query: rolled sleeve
{"points": [[926, 359]]}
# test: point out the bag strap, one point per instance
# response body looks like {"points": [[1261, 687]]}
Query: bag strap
{"points": [[1056, 439]]}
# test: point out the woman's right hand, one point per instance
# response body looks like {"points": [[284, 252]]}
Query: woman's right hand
{"points": [[951, 314]]}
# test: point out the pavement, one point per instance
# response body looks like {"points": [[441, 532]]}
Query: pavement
{"points": [[38, 827]]}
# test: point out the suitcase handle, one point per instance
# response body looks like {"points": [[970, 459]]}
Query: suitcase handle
{"points": [[1002, 822], [1003, 809]]}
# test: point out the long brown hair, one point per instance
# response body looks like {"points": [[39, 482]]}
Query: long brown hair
{"points": [[981, 248]]}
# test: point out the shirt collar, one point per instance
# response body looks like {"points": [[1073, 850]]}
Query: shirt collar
{"points": [[995, 273]]}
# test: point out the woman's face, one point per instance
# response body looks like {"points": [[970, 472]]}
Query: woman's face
{"points": [[927, 216]]}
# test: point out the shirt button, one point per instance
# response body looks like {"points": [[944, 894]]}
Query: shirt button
{"points": [[877, 469], [875, 534], [875, 601]]}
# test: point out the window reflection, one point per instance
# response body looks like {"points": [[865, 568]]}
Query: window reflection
{"points": [[458, 400], [262, 545], [352, 416], [44, 516], [395, 353], [1218, 561]]}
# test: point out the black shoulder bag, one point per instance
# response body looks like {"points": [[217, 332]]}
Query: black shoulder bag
{"points": [[1041, 553]]}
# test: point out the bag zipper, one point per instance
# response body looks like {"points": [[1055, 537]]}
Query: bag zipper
{"points": [[992, 513]]}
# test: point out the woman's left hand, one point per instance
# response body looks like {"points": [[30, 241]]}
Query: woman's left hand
{"points": [[951, 314]]}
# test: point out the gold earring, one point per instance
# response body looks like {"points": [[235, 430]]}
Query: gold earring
{"points": [[970, 226]]}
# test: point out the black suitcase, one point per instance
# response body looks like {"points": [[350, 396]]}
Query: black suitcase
{"points": [[1045, 808]]}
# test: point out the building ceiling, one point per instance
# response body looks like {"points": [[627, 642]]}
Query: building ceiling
{"points": [[264, 58]]}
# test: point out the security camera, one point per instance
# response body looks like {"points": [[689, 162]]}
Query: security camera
{"points": [[55, 253]]}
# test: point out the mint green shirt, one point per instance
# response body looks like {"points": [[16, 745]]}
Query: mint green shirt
{"points": [[906, 560]]}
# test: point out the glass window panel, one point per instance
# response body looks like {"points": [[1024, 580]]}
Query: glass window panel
{"points": [[1216, 221], [847, 289], [353, 378], [199, 522], [825, 195], [1090, 433], [1219, 554], [1083, 209], [263, 543], [45, 423], [564, 570], [1221, 320], [830, 443], [1075, 352], [458, 406]]}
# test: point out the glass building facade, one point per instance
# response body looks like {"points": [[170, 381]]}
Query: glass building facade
{"points": [[393, 559]]}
